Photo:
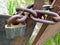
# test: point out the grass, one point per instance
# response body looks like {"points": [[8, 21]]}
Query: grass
{"points": [[10, 7], [12, 4], [55, 40]]}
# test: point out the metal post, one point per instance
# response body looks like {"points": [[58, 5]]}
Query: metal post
{"points": [[41, 37]]}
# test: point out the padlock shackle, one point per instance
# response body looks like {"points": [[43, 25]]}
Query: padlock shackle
{"points": [[13, 19]]}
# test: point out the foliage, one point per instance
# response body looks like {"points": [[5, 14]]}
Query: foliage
{"points": [[49, 42], [12, 4], [55, 39], [10, 7]]}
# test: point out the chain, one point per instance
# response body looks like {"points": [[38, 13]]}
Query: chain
{"points": [[33, 15], [53, 14]]}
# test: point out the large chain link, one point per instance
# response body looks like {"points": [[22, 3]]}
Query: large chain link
{"points": [[53, 14]]}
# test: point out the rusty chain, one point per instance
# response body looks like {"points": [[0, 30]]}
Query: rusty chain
{"points": [[14, 20], [33, 16], [42, 11], [53, 14]]}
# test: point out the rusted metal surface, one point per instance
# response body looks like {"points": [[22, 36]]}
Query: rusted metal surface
{"points": [[45, 21], [31, 22], [43, 28], [16, 19], [38, 5], [43, 37]]}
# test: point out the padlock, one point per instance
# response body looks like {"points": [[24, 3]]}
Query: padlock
{"points": [[15, 30]]}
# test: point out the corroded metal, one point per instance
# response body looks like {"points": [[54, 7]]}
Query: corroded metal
{"points": [[34, 13], [43, 38], [46, 21], [38, 5], [16, 19]]}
